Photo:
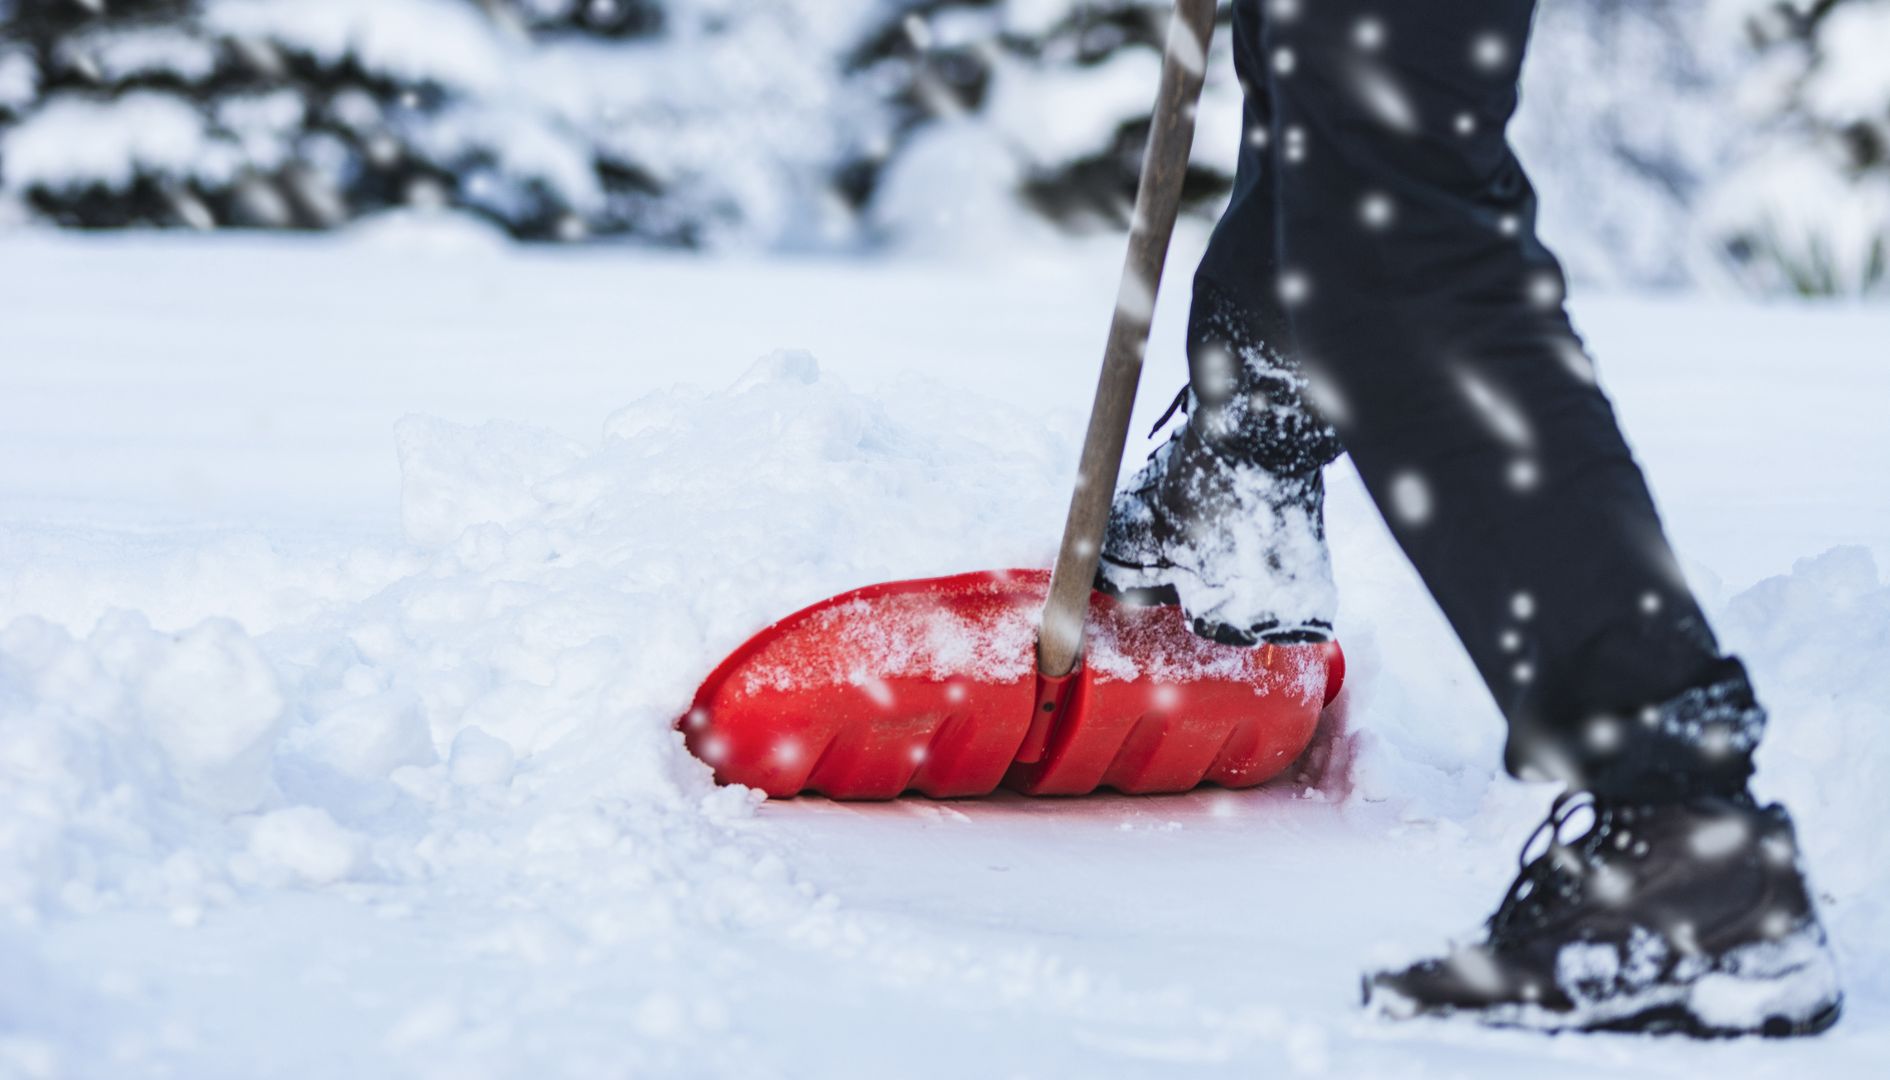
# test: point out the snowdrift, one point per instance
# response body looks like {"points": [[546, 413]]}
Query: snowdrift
{"points": [[482, 721]]}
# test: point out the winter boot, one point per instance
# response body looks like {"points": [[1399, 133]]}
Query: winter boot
{"points": [[1227, 518], [1241, 549], [1691, 917]]}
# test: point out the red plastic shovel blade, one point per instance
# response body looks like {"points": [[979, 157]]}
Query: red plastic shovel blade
{"points": [[931, 686]]}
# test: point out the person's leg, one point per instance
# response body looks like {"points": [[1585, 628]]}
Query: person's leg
{"points": [[1227, 518], [1431, 318], [1239, 332], [1235, 279]]}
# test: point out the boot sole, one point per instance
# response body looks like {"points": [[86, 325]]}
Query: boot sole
{"points": [[1677, 1020], [1662, 1017]]}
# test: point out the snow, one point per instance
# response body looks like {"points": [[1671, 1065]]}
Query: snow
{"points": [[899, 638], [349, 589], [305, 842], [418, 40], [1849, 84], [746, 126], [74, 142], [1068, 116], [263, 124], [727, 128], [1749, 989], [118, 56], [951, 190], [19, 79], [1618, 177], [1815, 222]]}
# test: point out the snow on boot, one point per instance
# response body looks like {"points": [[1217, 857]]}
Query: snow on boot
{"points": [[1227, 517], [1240, 547], [1691, 917]]}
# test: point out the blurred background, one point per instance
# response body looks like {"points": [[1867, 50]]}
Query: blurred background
{"points": [[1741, 145]]}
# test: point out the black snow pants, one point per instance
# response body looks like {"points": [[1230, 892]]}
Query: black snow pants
{"points": [[1382, 235]]}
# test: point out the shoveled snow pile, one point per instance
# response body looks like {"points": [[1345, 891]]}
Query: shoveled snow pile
{"points": [[498, 709], [419, 808], [1817, 641], [551, 619]]}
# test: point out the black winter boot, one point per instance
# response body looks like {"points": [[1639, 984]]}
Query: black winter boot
{"points": [[1227, 518], [1691, 917], [1242, 550]]}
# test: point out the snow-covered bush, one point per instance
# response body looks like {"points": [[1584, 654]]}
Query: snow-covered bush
{"points": [[1059, 92], [678, 121], [1675, 141], [1809, 210], [1625, 128], [681, 121]]}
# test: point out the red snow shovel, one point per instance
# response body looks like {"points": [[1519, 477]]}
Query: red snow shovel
{"points": [[955, 686]]}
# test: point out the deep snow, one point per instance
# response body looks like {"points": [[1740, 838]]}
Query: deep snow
{"points": [[348, 590]]}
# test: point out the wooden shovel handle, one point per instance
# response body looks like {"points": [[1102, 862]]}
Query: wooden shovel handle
{"points": [[1157, 203]]}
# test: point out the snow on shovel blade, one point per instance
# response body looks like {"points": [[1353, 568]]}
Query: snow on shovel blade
{"points": [[932, 686]]}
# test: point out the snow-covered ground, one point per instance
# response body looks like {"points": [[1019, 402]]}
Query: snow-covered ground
{"points": [[348, 590]]}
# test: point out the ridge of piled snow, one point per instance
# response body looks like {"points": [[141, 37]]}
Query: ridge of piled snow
{"points": [[550, 621], [1816, 640]]}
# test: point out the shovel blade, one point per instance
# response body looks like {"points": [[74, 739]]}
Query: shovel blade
{"points": [[931, 686]]}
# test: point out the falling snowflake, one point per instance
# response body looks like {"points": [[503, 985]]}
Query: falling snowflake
{"points": [[1386, 100], [1376, 210], [1411, 498], [1489, 51], [1295, 149], [1369, 34], [1545, 290], [1295, 288], [1524, 475], [1502, 415], [1604, 734]]}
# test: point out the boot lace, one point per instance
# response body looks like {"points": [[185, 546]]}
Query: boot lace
{"points": [[1179, 405], [1551, 881]]}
